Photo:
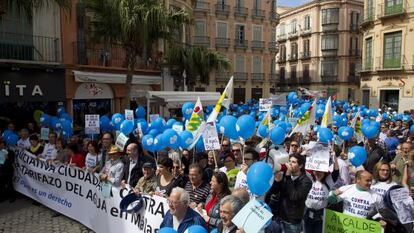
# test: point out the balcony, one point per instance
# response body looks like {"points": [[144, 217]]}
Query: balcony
{"points": [[329, 52], [222, 10], [97, 55], [240, 44], [367, 65], [281, 38], [293, 35], [240, 12], [354, 27], [273, 47], [306, 32], [29, 48], [257, 45], [258, 14], [305, 55], [281, 59], [293, 57], [329, 79], [391, 11], [201, 41], [330, 27], [240, 76], [274, 17], [258, 77], [354, 52], [368, 18], [202, 6], [386, 64], [222, 42]]}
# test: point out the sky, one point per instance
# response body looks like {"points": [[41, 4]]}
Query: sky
{"points": [[291, 3]]}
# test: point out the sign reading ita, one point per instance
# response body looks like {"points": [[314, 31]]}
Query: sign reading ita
{"points": [[335, 222]]}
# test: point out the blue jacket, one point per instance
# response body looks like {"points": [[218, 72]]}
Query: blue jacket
{"points": [[191, 218]]}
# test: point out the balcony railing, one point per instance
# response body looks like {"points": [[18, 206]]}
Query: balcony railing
{"points": [[222, 42], [329, 79], [222, 9], [293, 57], [202, 6], [354, 52], [258, 14], [368, 17], [257, 45], [98, 55], [240, 12], [329, 52], [258, 77], [393, 10], [240, 76], [367, 65], [306, 32], [281, 38], [293, 35], [273, 47], [29, 47], [274, 17], [201, 40], [305, 55], [240, 44]]}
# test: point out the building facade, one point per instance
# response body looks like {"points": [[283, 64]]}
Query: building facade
{"points": [[387, 74], [320, 48], [245, 32]]}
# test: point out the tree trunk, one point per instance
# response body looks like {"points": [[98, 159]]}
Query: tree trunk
{"points": [[131, 56]]}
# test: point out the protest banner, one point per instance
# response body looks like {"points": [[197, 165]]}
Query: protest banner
{"points": [[317, 158], [335, 222], [210, 137], [92, 125], [252, 217], [265, 104], [121, 140], [129, 115], [77, 194], [403, 204]]}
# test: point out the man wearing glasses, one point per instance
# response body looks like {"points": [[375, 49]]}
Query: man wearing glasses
{"points": [[294, 147], [181, 216], [236, 149], [106, 146]]}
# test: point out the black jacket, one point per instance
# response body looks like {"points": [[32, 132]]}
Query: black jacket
{"points": [[374, 156], [136, 172], [293, 194]]}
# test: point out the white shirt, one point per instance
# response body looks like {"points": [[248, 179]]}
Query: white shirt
{"points": [[241, 180], [343, 172], [24, 143], [132, 164], [359, 203], [49, 151], [382, 187], [318, 196], [92, 160], [176, 223]]}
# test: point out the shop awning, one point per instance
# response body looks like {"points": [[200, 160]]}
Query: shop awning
{"points": [[174, 99], [97, 77]]}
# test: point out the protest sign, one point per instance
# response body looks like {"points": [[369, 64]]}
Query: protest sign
{"points": [[77, 194], [335, 222], [265, 104], [92, 125], [129, 115], [210, 137], [121, 140], [317, 158], [279, 99], [44, 133], [403, 204], [253, 217]]}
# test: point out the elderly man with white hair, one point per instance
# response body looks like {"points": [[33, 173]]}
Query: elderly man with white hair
{"points": [[181, 216], [229, 207]]}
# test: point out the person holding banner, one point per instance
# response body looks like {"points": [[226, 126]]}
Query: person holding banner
{"points": [[106, 144], [50, 152], [133, 164], [166, 180], [148, 183], [74, 157], [36, 147], [382, 178], [24, 141], [93, 158], [112, 172]]}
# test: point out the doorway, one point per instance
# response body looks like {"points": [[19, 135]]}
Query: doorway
{"points": [[389, 99]]}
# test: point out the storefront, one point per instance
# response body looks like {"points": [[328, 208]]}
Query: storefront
{"points": [[24, 90]]}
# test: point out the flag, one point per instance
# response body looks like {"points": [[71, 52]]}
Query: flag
{"points": [[356, 124], [196, 119], [306, 121], [327, 116], [267, 121]]}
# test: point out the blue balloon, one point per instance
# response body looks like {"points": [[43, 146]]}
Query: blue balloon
{"points": [[154, 132], [167, 230], [105, 124], [305, 106], [185, 139], [126, 127], [158, 124], [170, 138], [214, 230], [277, 135], [345, 133], [259, 178], [12, 139], [370, 131], [245, 126], [196, 229], [412, 129], [55, 123], [199, 147], [263, 131], [60, 111], [325, 135], [228, 127], [143, 124], [44, 120], [253, 114], [170, 123], [282, 125], [406, 118], [187, 109], [283, 110], [357, 155], [66, 125], [148, 142], [316, 128], [140, 112], [158, 143], [179, 124], [117, 120], [67, 134]]}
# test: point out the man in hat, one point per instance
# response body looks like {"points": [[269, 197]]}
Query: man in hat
{"points": [[112, 171], [148, 183]]}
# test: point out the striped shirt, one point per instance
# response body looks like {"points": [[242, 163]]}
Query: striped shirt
{"points": [[199, 194]]}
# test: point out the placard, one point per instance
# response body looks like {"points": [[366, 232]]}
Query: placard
{"points": [[317, 158], [403, 204], [121, 140], [265, 104], [210, 137], [92, 125], [335, 222], [129, 115], [252, 217], [44, 133]]}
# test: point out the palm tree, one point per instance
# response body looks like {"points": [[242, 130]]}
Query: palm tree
{"points": [[27, 6], [198, 62], [136, 25]]}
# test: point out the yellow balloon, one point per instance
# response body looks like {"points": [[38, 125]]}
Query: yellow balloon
{"points": [[36, 115]]}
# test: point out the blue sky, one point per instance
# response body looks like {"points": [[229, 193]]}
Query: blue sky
{"points": [[292, 3]]}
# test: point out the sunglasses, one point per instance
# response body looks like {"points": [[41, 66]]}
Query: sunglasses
{"points": [[238, 150], [296, 145]]}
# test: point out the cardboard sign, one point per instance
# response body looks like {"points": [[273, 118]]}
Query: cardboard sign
{"points": [[265, 104], [121, 140], [403, 205], [210, 137], [44, 133], [253, 217], [317, 158], [279, 99], [334, 222], [129, 115], [92, 125]]}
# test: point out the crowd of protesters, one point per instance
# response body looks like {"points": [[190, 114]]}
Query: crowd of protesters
{"points": [[209, 188]]}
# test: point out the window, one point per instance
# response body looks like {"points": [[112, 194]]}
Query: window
{"points": [[239, 4], [282, 73], [200, 28], [257, 64], [222, 3], [306, 52], [354, 21], [329, 68], [353, 46], [272, 66], [329, 42], [273, 35], [282, 52], [293, 27], [257, 93], [221, 30], [368, 54], [392, 50], [257, 33], [293, 72], [393, 7], [351, 69], [294, 51], [240, 65], [239, 95], [282, 29], [330, 16], [306, 73], [240, 34], [274, 5], [257, 4], [306, 24], [370, 10]]}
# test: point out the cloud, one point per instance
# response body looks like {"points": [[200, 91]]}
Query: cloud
{"points": [[292, 3]]}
